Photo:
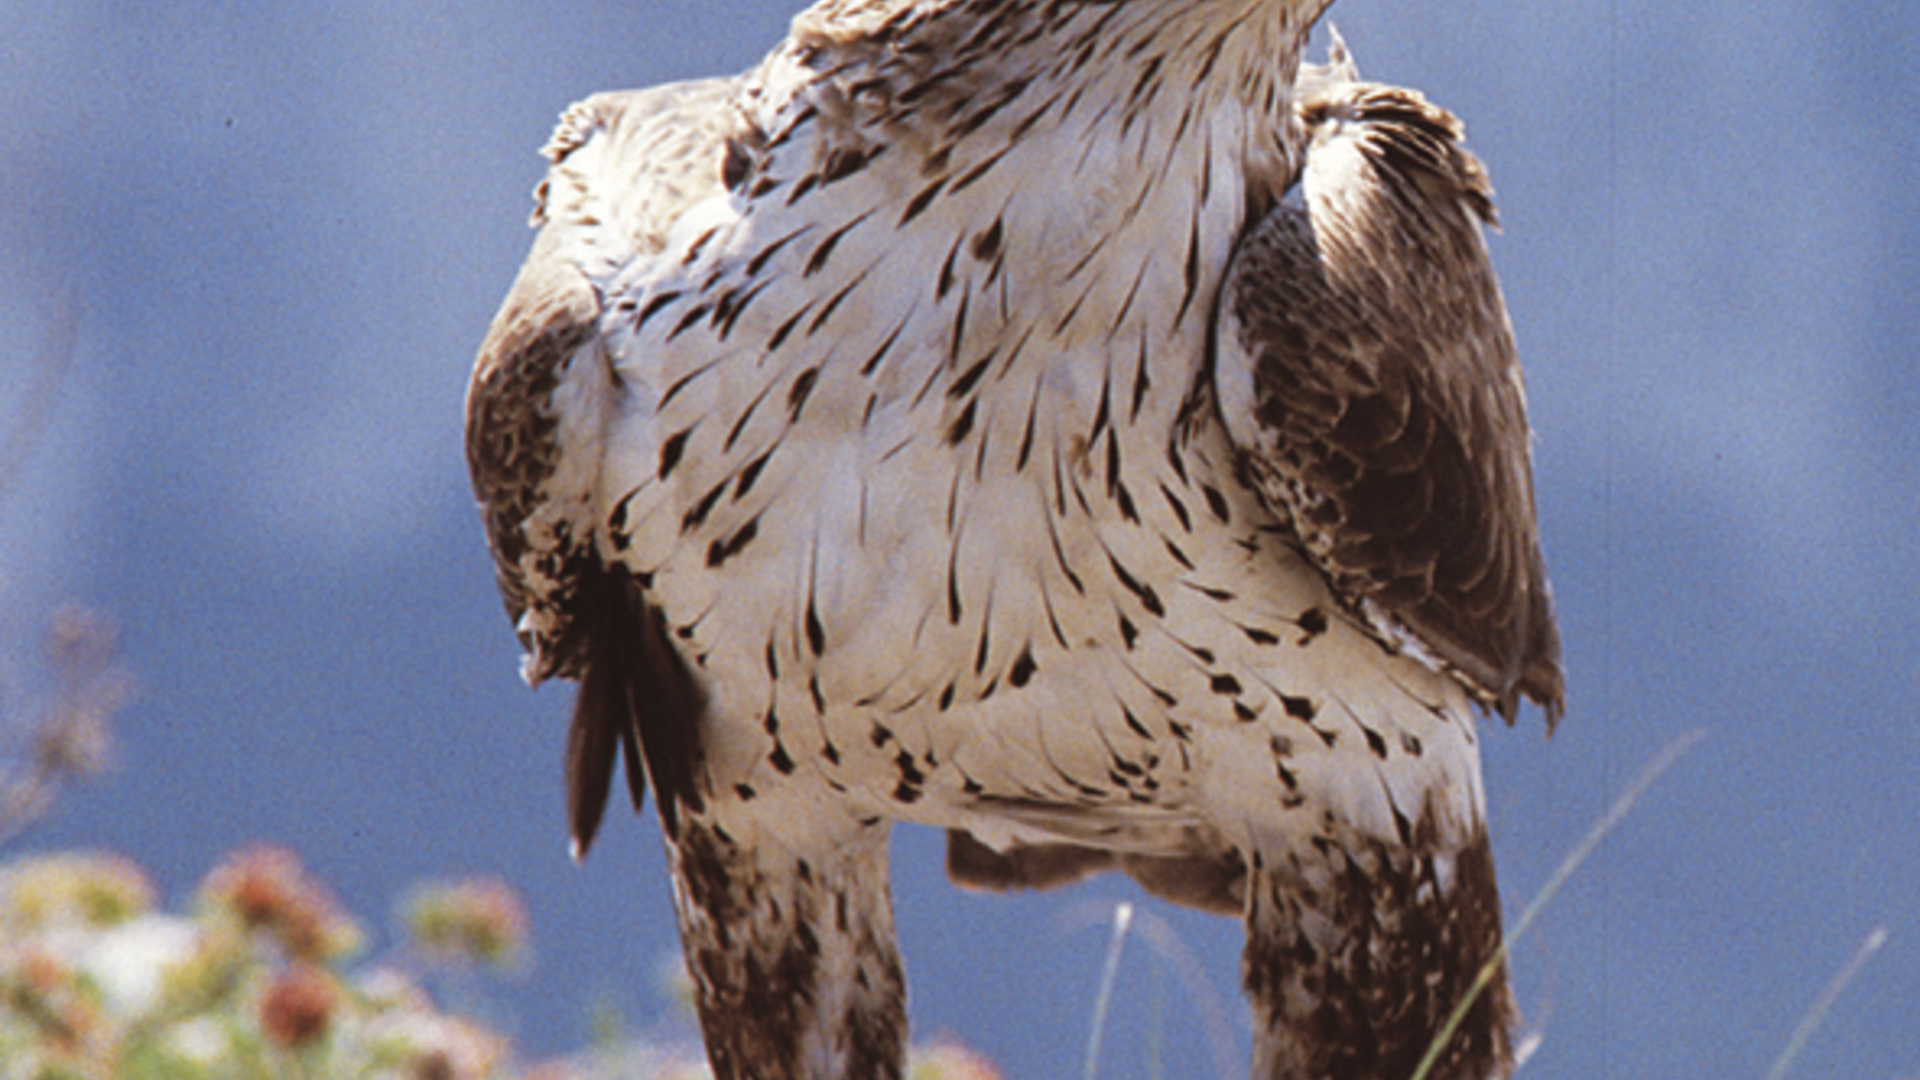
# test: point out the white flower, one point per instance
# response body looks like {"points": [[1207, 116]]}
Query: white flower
{"points": [[129, 961], [200, 1040]]}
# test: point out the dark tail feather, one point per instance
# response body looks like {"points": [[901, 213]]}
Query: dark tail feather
{"points": [[602, 718], [636, 699], [667, 707]]}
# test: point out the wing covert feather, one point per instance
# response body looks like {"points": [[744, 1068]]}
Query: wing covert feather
{"points": [[1367, 373]]}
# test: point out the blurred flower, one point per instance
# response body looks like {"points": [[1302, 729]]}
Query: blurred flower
{"points": [[211, 972], [434, 1065], [131, 962], [47, 993], [266, 888], [480, 920], [39, 973], [298, 1006], [89, 913], [200, 1040], [85, 889], [385, 989], [456, 1049], [950, 1061], [435, 1046], [94, 984]]}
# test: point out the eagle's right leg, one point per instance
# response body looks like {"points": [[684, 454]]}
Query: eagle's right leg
{"points": [[1359, 950], [787, 923]]}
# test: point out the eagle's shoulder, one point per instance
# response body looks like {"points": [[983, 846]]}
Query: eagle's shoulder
{"points": [[1367, 371], [623, 169]]}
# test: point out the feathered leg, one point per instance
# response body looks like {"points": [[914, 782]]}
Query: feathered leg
{"points": [[1358, 951], [792, 949]]}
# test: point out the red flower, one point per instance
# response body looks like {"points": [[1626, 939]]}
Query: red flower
{"points": [[266, 888], [298, 1006]]}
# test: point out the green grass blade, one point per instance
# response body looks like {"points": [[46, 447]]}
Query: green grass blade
{"points": [[1811, 1022], [1122, 918]]}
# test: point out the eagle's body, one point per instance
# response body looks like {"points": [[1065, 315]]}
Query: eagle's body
{"points": [[894, 433]]}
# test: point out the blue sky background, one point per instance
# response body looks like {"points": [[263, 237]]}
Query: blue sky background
{"points": [[285, 227]]}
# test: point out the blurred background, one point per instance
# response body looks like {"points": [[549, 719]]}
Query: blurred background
{"points": [[273, 235]]}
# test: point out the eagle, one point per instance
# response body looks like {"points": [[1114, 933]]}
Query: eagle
{"points": [[1076, 425]]}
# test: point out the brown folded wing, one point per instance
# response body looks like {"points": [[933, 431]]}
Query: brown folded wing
{"points": [[1367, 371]]}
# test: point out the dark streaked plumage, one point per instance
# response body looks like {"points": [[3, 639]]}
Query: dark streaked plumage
{"points": [[1387, 415], [948, 421]]}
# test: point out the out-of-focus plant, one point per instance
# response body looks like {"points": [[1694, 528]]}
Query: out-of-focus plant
{"points": [[255, 982], [43, 748], [264, 891], [260, 980], [71, 737], [479, 921]]}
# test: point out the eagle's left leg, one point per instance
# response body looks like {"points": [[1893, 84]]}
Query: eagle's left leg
{"points": [[1358, 950], [788, 932]]}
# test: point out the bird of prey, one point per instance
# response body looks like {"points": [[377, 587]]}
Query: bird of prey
{"points": [[1067, 423]]}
